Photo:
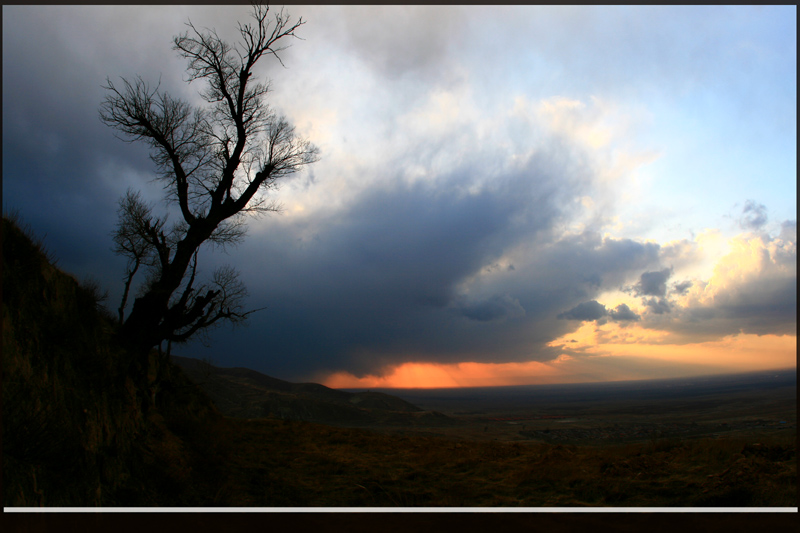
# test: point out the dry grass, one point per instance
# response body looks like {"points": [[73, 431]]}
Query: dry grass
{"points": [[294, 464], [74, 432]]}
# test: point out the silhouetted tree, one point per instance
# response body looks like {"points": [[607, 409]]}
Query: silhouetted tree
{"points": [[217, 163]]}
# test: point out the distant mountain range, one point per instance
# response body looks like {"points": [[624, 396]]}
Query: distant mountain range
{"points": [[245, 393]]}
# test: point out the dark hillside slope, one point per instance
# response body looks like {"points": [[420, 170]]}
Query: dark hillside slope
{"points": [[74, 429], [245, 393]]}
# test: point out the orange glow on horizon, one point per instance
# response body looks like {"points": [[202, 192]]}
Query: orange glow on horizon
{"points": [[443, 376], [584, 361]]}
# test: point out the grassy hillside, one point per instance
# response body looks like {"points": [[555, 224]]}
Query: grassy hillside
{"points": [[75, 428]]}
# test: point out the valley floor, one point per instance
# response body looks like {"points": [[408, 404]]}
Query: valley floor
{"points": [[276, 463]]}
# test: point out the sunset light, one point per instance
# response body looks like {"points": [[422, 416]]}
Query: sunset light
{"points": [[496, 195], [589, 363]]}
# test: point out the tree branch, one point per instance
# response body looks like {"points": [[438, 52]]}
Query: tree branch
{"points": [[218, 162]]}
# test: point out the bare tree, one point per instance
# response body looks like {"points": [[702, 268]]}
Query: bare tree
{"points": [[217, 162], [134, 236]]}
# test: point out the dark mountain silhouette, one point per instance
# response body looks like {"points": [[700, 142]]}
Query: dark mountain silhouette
{"points": [[245, 393]]}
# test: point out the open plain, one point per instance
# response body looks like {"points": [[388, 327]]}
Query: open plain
{"points": [[722, 441], [752, 405]]}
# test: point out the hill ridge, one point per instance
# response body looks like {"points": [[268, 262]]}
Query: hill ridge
{"points": [[245, 393]]}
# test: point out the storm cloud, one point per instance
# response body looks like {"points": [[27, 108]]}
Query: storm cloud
{"points": [[495, 308], [658, 306], [682, 287], [409, 273], [623, 313], [653, 283], [475, 198], [586, 311], [597, 312]]}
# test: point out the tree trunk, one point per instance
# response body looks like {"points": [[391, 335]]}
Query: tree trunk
{"points": [[142, 330]]}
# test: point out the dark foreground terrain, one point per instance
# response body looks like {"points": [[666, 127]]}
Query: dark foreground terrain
{"points": [[83, 425], [752, 404], [593, 414], [284, 463], [713, 441]]}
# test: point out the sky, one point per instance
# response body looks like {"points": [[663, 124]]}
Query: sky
{"points": [[505, 195]]}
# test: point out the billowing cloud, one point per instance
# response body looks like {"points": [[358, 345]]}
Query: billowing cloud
{"points": [[788, 231], [653, 283], [420, 44], [473, 201], [495, 308], [409, 275], [754, 216], [595, 311], [753, 289], [658, 306], [623, 313], [586, 311], [682, 287]]}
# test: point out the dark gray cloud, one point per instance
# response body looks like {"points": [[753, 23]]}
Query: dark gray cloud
{"points": [[754, 216], [384, 277], [62, 169], [384, 283], [658, 306], [682, 287], [653, 283], [623, 313], [744, 296], [498, 307], [595, 311], [586, 311], [761, 306]]}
